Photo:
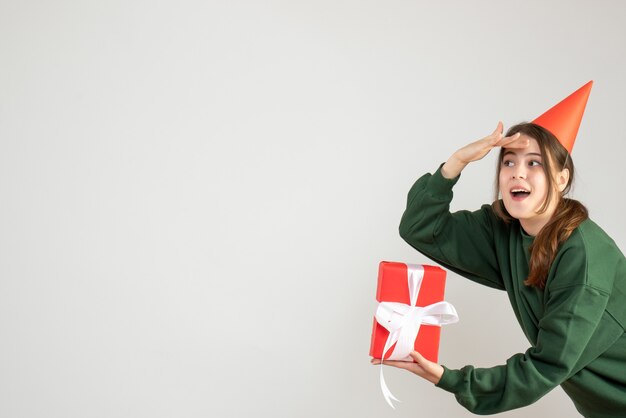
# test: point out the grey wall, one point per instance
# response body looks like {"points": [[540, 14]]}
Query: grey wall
{"points": [[196, 194]]}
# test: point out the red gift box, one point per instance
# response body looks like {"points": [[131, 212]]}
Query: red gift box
{"points": [[393, 287]]}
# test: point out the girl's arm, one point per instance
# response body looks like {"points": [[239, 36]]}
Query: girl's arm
{"points": [[574, 330], [478, 149], [463, 241]]}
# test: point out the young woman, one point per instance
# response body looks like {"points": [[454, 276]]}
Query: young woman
{"points": [[564, 276]]}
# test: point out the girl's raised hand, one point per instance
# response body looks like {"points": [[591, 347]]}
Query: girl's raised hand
{"points": [[421, 367], [478, 149]]}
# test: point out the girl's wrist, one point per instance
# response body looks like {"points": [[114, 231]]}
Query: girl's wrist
{"points": [[452, 168]]}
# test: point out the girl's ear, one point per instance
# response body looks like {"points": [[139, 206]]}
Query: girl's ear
{"points": [[562, 178]]}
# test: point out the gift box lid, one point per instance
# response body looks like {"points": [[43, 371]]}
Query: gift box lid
{"points": [[393, 287]]}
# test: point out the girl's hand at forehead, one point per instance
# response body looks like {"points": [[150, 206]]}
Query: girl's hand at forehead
{"points": [[478, 149], [513, 141]]}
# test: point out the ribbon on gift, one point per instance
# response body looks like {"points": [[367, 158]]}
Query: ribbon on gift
{"points": [[403, 323]]}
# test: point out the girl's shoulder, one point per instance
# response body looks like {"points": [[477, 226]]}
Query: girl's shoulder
{"points": [[592, 238], [605, 267], [589, 257]]}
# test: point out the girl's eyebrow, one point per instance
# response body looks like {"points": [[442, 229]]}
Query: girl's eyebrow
{"points": [[525, 155]]}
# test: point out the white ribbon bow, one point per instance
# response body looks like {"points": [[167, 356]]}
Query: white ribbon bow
{"points": [[403, 323]]}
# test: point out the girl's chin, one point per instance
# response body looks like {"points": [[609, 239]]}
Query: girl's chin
{"points": [[517, 213], [521, 215]]}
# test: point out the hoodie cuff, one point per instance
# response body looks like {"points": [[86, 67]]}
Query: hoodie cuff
{"points": [[450, 380], [441, 186]]}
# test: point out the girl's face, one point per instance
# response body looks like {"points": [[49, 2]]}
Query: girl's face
{"points": [[524, 187]]}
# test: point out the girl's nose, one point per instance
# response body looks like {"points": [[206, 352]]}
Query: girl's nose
{"points": [[519, 172]]}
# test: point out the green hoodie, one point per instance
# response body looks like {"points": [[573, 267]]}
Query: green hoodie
{"points": [[575, 325]]}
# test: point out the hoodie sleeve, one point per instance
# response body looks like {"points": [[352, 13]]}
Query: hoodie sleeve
{"points": [[462, 241], [571, 317]]}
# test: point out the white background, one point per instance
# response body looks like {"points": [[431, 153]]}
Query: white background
{"points": [[196, 194]]}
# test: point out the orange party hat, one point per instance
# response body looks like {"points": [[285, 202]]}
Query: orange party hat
{"points": [[563, 120]]}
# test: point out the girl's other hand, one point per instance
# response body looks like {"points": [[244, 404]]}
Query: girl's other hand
{"points": [[423, 368]]}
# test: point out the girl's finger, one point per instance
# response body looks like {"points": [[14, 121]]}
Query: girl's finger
{"points": [[394, 363], [498, 129], [420, 359], [509, 140], [517, 143], [496, 135], [416, 356]]}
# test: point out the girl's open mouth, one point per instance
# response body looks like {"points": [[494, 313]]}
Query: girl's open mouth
{"points": [[519, 194]]}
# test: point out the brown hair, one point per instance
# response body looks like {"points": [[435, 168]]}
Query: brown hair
{"points": [[569, 213]]}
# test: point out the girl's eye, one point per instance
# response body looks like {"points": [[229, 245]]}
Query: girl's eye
{"points": [[507, 163], [534, 163]]}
